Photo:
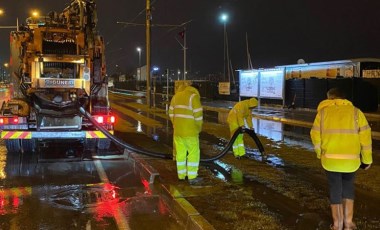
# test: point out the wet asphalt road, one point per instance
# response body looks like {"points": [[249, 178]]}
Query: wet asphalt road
{"points": [[41, 191]]}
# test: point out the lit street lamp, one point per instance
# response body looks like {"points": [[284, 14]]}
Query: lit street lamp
{"points": [[35, 13], [224, 19]]}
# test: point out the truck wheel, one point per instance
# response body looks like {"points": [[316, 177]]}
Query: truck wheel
{"points": [[28, 145], [104, 143], [13, 145]]}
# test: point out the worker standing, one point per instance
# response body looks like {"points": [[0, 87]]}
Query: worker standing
{"points": [[342, 140], [179, 89], [239, 116], [186, 115]]}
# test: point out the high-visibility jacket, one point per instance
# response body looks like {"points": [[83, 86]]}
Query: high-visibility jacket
{"points": [[240, 112], [341, 136], [186, 112]]}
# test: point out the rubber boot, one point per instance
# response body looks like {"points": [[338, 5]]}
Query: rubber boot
{"points": [[337, 215], [348, 210]]}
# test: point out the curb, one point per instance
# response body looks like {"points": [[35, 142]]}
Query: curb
{"points": [[181, 208], [192, 219]]}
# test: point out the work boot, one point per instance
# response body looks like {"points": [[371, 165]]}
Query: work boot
{"points": [[348, 210], [195, 181], [337, 215], [241, 157]]}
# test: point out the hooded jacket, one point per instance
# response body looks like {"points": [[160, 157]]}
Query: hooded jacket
{"points": [[341, 136], [242, 111], [186, 113]]}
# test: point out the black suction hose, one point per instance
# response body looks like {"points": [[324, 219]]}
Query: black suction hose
{"points": [[252, 134], [167, 156], [120, 142], [225, 150]]}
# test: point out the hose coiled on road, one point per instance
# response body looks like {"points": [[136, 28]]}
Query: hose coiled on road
{"points": [[121, 143]]}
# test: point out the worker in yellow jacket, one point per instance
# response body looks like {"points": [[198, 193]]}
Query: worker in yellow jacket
{"points": [[179, 89], [186, 115], [238, 116], [342, 140]]}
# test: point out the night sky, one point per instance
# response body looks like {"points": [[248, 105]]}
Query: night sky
{"points": [[279, 32]]}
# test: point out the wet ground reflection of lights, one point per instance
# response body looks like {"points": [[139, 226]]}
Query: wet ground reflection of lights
{"points": [[36, 190]]}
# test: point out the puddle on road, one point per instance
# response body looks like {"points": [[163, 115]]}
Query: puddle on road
{"points": [[73, 192]]}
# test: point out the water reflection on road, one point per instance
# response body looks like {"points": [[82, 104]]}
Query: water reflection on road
{"points": [[64, 193]]}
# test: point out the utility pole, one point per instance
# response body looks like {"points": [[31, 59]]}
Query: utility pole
{"points": [[148, 30]]}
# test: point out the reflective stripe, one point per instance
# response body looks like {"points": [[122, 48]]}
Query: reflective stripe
{"points": [[197, 110], [337, 131], [191, 101], [238, 146], [193, 164], [181, 163], [182, 107], [356, 120], [95, 134], [184, 116], [367, 147], [199, 119], [182, 171], [316, 128], [317, 146], [16, 135], [171, 115], [322, 123], [363, 128], [192, 173], [341, 156], [171, 107]]}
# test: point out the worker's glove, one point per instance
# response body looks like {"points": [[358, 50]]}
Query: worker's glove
{"points": [[365, 166]]}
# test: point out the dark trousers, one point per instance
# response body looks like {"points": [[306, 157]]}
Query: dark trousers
{"points": [[341, 186]]}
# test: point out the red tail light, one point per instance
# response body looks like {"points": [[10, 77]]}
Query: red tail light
{"points": [[11, 120], [105, 119], [100, 119]]}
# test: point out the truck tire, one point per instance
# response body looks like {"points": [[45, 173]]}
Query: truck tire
{"points": [[13, 145], [104, 143], [28, 145]]}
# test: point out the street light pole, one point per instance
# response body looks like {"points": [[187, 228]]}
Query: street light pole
{"points": [[139, 73], [224, 51], [224, 18]]}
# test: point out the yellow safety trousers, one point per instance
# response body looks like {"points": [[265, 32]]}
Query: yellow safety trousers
{"points": [[238, 147], [187, 157]]}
